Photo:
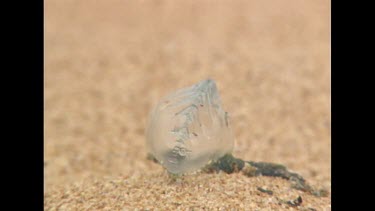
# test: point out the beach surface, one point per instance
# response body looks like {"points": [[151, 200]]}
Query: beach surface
{"points": [[107, 63]]}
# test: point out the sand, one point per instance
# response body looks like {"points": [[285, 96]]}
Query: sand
{"points": [[107, 63]]}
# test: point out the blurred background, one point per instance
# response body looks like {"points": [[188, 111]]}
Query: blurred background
{"points": [[107, 63]]}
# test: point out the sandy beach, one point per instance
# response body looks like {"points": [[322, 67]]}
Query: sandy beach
{"points": [[107, 63]]}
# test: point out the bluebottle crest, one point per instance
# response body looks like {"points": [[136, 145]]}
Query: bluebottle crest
{"points": [[188, 128]]}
